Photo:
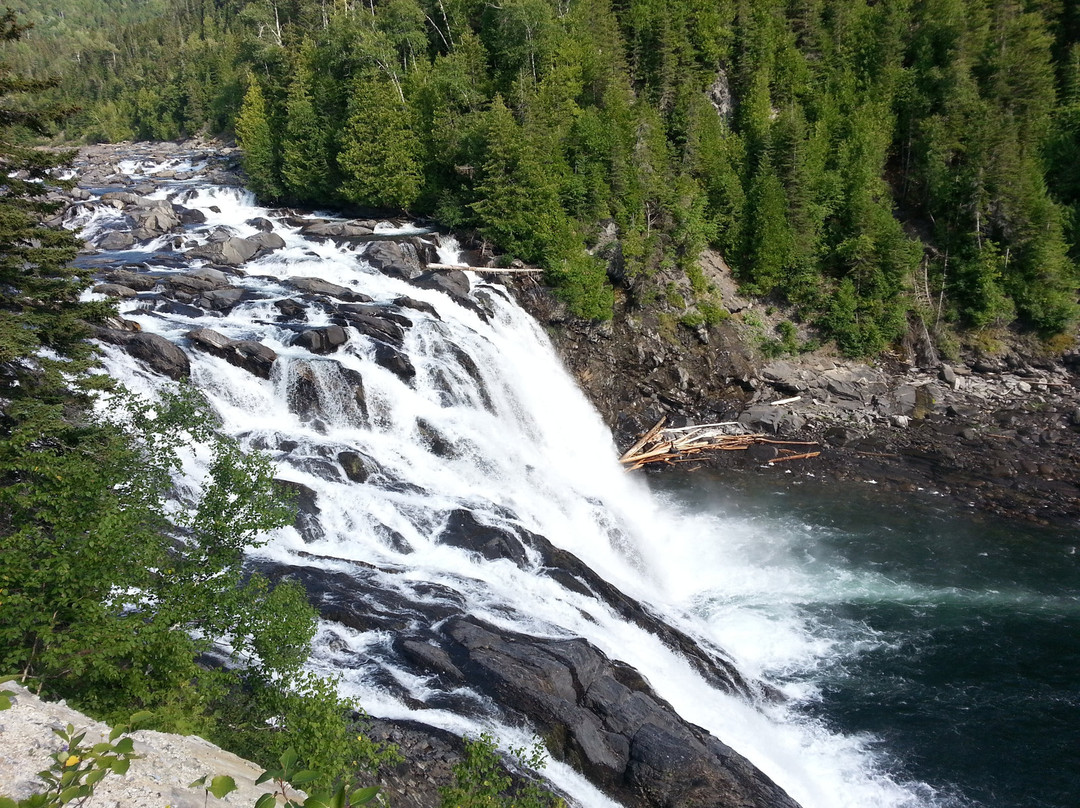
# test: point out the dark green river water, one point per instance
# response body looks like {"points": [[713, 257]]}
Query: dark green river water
{"points": [[952, 642]]}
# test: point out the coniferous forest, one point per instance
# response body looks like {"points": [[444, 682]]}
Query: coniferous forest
{"points": [[855, 160]]}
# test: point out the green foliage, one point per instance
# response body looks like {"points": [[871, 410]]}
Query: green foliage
{"points": [[264, 719], [305, 169], [254, 132], [481, 780], [379, 156], [290, 773], [808, 142]]}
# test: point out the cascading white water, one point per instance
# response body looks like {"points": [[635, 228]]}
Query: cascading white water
{"points": [[521, 448]]}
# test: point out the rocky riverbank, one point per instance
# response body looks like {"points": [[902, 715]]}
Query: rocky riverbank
{"points": [[996, 432]]}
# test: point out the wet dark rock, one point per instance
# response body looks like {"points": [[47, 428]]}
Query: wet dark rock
{"points": [[152, 350], [453, 389], [322, 340], [187, 286], [463, 530], [375, 327], [395, 361], [263, 225], [596, 714], [317, 286], [252, 356], [132, 280], [306, 500], [189, 215], [223, 299], [319, 386], [417, 305], [375, 310], [357, 467], [434, 440], [291, 309], [453, 283], [602, 718], [176, 307]]}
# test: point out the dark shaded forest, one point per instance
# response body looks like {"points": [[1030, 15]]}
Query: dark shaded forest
{"points": [[855, 160]]}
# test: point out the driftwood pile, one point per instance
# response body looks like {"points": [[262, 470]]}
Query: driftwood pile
{"points": [[684, 444]]}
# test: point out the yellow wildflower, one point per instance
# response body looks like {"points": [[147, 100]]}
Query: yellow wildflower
{"points": [[73, 760]]}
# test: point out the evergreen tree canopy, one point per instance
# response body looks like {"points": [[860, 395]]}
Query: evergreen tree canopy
{"points": [[893, 156]]}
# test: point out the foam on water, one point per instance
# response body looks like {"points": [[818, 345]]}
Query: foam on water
{"points": [[527, 451]]}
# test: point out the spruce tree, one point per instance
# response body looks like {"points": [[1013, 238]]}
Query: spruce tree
{"points": [[256, 138], [305, 173], [380, 151]]}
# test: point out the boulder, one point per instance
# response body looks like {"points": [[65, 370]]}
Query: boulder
{"points": [[232, 251], [454, 283], [320, 389], [417, 305], [222, 299], [357, 467], [116, 240], [132, 280], [252, 356], [322, 340], [351, 230], [157, 219], [189, 215], [268, 241], [263, 225], [395, 361], [115, 290], [317, 286], [463, 530], [158, 354], [375, 327], [290, 309]]}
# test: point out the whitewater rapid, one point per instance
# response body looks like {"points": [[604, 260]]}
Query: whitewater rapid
{"points": [[526, 451]]}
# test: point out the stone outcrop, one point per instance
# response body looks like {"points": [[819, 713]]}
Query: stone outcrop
{"points": [[252, 356]]}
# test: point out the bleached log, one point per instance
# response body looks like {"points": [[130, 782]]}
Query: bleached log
{"points": [[648, 436], [490, 270]]}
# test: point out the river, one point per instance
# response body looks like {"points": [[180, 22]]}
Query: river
{"points": [[926, 660]]}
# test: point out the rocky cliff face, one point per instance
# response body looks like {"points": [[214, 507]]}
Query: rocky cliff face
{"points": [[998, 432]]}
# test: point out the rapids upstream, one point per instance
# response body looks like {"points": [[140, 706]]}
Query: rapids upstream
{"points": [[481, 561]]}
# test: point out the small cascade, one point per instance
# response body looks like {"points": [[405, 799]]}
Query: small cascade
{"points": [[481, 560]]}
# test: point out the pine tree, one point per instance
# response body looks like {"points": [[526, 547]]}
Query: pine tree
{"points": [[42, 326], [255, 135], [379, 151], [305, 171]]}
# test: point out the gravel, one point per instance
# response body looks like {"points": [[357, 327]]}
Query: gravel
{"points": [[159, 778]]}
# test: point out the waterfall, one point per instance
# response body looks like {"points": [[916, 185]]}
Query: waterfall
{"points": [[487, 431]]}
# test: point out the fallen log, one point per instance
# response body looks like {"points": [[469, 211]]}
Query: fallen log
{"points": [[490, 270], [681, 444], [803, 456]]}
